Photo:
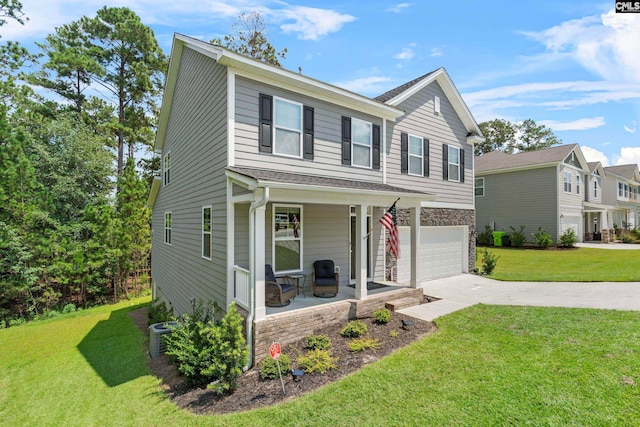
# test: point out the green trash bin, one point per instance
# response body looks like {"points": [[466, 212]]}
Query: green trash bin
{"points": [[497, 238]]}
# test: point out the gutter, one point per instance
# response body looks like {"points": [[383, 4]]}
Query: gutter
{"points": [[252, 270]]}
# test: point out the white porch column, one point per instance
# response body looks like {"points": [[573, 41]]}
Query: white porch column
{"points": [[361, 251], [231, 214], [258, 267], [415, 246]]}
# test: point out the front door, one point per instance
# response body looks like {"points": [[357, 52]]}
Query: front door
{"points": [[352, 252]]}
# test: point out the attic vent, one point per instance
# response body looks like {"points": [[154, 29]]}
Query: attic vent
{"points": [[156, 331], [436, 104]]}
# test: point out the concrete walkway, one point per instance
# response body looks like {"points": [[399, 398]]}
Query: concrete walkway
{"points": [[613, 246], [462, 291]]}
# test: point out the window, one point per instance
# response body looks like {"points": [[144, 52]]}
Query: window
{"points": [[454, 164], [567, 182], [479, 187], [626, 191], [287, 242], [595, 188], [206, 232], [167, 228], [288, 128], [416, 159], [577, 184], [166, 163], [620, 189], [361, 143]]}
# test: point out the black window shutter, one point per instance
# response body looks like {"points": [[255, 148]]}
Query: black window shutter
{"points": [[307, 139], [461, 165], [445, 162], [376, 147], [266, 121], [346, 140], [404, 152], [425, 149]]}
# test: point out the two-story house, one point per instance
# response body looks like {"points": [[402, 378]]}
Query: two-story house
{"points": [[543, 188], [596, 213], [261, 165], [621, 186]]}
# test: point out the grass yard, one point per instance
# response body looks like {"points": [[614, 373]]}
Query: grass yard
{"points": [[487, 366], [566, 265]]}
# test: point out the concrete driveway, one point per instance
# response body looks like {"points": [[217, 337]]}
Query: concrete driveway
{"points": [[466, 290]]}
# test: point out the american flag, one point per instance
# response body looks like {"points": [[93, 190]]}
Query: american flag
{"points": [[390, 222]]}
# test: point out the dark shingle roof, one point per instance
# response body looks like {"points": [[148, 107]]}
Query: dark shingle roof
{"points": [[397, 91], [319, 181], [625, 171], [497, 160]]}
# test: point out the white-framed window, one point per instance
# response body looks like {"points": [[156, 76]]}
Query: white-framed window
{"points": [[361, 142], [416, 156], [626, 191], [479, 187], [288, 238], [166, 164], [167, 228], [206, 232], [287, 127], [595, 188], [567, 181], [577, 184], [620, 189], [453, 161]]}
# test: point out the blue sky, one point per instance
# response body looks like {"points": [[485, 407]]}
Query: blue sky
{"points": [[573, 66]]}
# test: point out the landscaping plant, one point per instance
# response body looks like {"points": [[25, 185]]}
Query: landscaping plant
{"points": [[489, 261], [542, 238], [354, 329], [568, 239], [484, 237], [158, 312], [364, 343], [319, 342], [517, 238], [382, 315], [317, 361], [269, 367]]}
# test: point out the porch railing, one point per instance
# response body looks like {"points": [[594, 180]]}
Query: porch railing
{"points": [[241, 286]]}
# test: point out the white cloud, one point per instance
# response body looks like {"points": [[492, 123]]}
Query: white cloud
{"points": [[311, 23], [580, 124], [436, 51], [593, 155], [365, 85], [406, 54], [628, 155], [399, 8], [630, 130]]}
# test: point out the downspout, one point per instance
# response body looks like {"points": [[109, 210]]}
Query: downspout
{"points": [[252, 270]]}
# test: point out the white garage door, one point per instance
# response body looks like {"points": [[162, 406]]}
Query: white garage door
{"points": [[442, 253], [568, 222]]}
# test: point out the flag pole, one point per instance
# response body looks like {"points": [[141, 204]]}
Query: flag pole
{"points": [[374, 225]]}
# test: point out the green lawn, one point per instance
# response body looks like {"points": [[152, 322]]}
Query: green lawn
{"points": [[486, 366], [566, 265]]}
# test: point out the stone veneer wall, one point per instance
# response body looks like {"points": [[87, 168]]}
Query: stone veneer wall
{"points": [[292, 326], [440, 217]]}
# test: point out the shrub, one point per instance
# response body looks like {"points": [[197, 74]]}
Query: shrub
{"points": [[628, 237], [568, 238], [382, 315], [317, 361], [319, 342], [364, 343], [542, 238], [393, 334], [354, 329], [517, 237], [69, 308], [269, 367], [484, 237], [158, 312], [489, 261]]}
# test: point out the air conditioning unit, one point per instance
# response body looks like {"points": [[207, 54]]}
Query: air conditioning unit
{"points": [[156, 331]]}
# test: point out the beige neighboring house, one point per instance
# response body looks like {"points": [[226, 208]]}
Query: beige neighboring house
{"points": [[621, 194]]}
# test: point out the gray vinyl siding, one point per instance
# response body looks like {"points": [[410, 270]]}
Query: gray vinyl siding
{"points": [[526, 198], [196, 139], [443, 128], [241, 230], [327, 135]]}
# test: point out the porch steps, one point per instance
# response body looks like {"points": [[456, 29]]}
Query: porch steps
{"points": [[399, 304]]}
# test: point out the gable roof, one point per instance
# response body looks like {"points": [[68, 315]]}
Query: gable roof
{"points": [[499, 161], [399, 94], [270, 74], [626, 171], [596, 166]]}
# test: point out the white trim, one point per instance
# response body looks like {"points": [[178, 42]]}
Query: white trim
{"points": [[153, 193], [409, 155], [370, 146], [368, 239], [231, 250], [203, 233], [474, 187], [165, 228], [166, 171], [300, 239], [449, 163], [384, 151], [300, 131], [447, 205], [231, 117]]}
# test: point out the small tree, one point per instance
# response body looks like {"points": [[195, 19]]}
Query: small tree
{"points": [[517, 237], [542, 238], [484, 237], [488, 261], [568, 239]]}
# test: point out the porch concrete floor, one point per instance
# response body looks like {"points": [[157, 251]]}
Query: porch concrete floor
{"points": [[301, 302]]}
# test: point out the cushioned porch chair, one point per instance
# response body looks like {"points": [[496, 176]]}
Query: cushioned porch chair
{"points": [[325, 279], [277, 294]]}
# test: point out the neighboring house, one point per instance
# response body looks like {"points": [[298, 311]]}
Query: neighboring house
{"points": [[543, 188], [620, 187], [555, 189], [261, 165]]}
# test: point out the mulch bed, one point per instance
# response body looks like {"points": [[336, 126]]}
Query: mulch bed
{"points": [[254, 393]]}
